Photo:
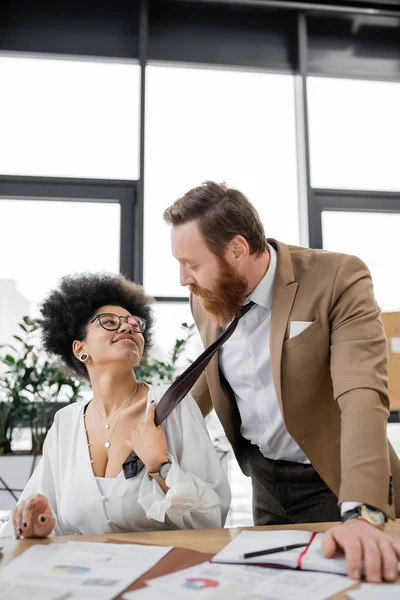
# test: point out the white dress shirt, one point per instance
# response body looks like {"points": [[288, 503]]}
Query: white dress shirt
{"points": [[245, 361], [198, 495]]}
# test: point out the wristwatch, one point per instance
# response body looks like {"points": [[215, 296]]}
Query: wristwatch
{"points": [[163, 470], [367, 513]]}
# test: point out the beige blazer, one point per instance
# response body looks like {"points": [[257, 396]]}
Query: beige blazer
{"points": [[330, 380]]}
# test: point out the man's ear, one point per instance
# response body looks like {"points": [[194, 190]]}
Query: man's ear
{"points": [[238, 250]]}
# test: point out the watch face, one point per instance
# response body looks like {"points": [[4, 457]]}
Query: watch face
{"points": [[374, 516], [165, 469]]}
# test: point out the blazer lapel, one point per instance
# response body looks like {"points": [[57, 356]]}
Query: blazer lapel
{"points": [[285, 288]]}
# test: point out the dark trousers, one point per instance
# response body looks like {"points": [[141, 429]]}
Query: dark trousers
{"points": [[288, 493]]}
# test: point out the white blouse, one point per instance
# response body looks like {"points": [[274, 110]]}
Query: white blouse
{"points": [[105, 484], [198, 495]]}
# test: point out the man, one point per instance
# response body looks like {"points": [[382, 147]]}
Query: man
{"points": [[301, 386]]}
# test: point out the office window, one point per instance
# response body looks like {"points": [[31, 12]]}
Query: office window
{"points": [[232, 126], [69, 118], [168, 319], [41, 241], [373, 237], [354, 134]]}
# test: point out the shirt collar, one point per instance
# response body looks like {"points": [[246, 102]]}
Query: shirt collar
{"points": [[262, 294]]}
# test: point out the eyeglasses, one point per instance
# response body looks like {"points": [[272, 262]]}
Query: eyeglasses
{"points": [[112, 322]]}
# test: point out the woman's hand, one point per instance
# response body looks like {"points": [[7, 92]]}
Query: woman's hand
{"points": [[33, 517], [149, 443]]}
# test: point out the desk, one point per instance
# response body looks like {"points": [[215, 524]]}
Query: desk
{"points": [[204, 540]]}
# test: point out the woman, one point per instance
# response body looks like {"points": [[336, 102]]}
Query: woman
{"points": [[100, 326]]}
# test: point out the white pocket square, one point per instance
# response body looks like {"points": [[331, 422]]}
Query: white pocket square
{"points": [[297, 327]]}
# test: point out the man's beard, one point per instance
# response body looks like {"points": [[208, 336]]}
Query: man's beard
{"points": [[224, 303]]}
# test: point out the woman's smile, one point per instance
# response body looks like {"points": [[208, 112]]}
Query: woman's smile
{"points": [[126, 339]]}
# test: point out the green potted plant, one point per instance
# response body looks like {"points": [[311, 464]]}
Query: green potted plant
{"points": [[32, 386]]}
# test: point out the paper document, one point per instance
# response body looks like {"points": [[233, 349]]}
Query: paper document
{"points": [[77, 570], [372, 591], [213, 581]]}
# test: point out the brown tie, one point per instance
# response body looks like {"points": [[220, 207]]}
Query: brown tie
{"points": [[181, 386]]}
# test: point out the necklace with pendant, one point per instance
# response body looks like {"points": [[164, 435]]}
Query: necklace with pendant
{"points": [[107, 443]]}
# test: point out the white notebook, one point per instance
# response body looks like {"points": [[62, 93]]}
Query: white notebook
{"points": [[309, 558]]}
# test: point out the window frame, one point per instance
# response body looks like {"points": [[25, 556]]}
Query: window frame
{"points": [[108, 191], [350, 201]]}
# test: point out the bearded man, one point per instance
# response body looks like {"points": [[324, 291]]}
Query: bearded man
{"points": [[301, 386]]}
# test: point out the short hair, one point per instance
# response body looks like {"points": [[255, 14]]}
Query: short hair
{"points": [[67, 310], [222, 213]]}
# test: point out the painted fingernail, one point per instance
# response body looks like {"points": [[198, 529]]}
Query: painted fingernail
{"points": [[152, 402], [20, 531], [25, 525], [42, 519]]}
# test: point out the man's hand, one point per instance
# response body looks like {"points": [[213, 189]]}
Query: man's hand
{"points": [[361, 541]]}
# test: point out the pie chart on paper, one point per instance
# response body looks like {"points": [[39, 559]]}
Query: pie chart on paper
{"points": [[69, 570], [200, 583]]}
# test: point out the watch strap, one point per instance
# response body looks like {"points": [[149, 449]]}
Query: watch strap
{"points": [[353, 513]]}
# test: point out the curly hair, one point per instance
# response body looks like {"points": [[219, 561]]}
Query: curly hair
{"points": [[67, 310]]}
